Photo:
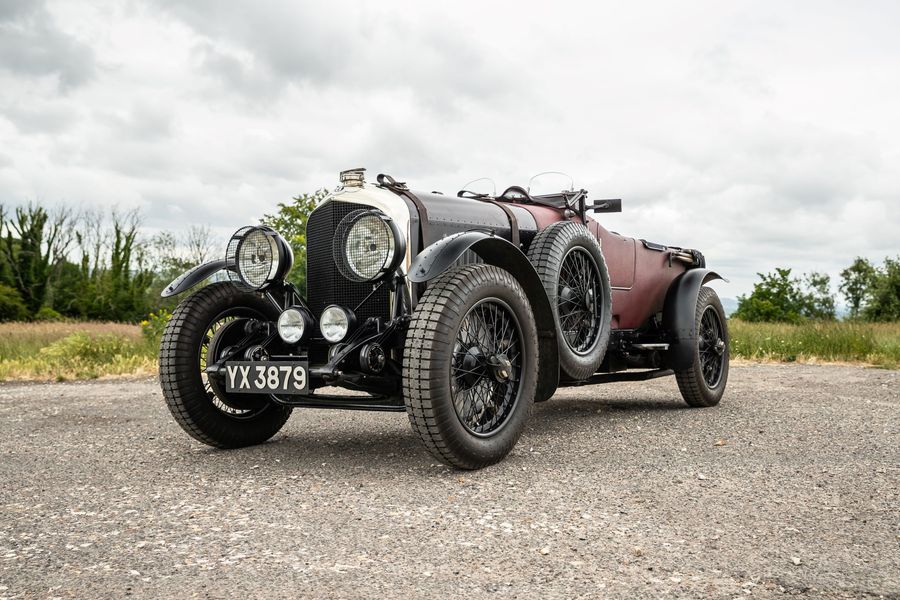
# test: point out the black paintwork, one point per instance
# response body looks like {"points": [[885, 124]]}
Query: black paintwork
{"points": [[441, 255], [448, 215], [679, 316], [192, 277], [497, 251]]}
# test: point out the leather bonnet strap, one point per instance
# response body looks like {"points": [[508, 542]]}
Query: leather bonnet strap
{"points": [[399, 188]]}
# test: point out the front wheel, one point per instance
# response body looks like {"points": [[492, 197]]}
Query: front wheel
{"points": [[704, 382], [470, 366], [201, 328]]}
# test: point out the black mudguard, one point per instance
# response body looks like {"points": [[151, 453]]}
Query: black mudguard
{"points": [[680, 313], [192, 277], [494, 250]]}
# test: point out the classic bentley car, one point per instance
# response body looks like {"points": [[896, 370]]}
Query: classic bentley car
{"points": [[461, 310]]}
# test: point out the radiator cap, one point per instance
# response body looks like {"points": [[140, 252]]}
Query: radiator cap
{"points": [[353, 177]]}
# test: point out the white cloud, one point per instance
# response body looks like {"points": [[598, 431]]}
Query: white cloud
{"points": [[766, 134], [32, 44]]}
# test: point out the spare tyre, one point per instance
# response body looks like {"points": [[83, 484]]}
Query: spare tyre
{"points": [[568, 259]]}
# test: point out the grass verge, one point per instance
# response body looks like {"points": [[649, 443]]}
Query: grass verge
{"points": [[876, 344], [73, 350]]}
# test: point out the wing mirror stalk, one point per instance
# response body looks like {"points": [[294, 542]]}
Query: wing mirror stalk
{"points": [[610, 205]]}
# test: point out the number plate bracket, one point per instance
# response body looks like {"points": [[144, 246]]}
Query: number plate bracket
{"points": [[267, 377]]}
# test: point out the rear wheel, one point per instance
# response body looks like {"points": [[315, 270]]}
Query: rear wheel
{"points": [[470, 366], [568, 259], [200, 330], [704, 382]]}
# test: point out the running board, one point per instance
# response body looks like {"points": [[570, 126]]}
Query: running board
{"points": [[625, 376], [343, 402], [650, 346]]}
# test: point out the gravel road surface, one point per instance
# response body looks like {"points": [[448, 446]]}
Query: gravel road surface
{"points": [[791, 486]]}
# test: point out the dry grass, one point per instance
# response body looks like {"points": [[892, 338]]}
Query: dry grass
{"points": [[876, 344], [20, 340], [73, 350]]}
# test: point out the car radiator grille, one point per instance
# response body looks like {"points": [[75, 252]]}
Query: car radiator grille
{"points": [[324, 283]]}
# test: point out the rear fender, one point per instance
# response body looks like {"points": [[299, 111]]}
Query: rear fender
{"points": [[494, 250], [680, 313]]}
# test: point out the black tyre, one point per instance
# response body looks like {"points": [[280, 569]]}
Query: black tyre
{"points": [[200, 328], [568, 259], [704, 382], [470, 366]]}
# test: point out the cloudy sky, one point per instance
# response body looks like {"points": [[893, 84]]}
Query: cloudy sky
{"points": [[764, 133]]}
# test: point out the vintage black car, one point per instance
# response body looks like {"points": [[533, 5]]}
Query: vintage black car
{"points": [[461, 310]]}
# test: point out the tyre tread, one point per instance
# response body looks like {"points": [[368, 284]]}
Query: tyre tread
{"points": [[177, 373], [546, 254], [690, 381], [428, 344]]}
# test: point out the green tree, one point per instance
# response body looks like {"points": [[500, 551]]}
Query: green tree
{"points": [[11, 306], [817, 301], [290, 221], [128, 278], [112, 279], [883, 298], [779, 297], [32, 244], [120, 289], [70, 290], [22, 248], [856, 283], [168, 263], [775, 298], [6, 276]]}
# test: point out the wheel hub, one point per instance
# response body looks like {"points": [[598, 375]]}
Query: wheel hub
{"points": [[485, 370], [501, 367], [472, 366], [579, 290], [223, 342], [712, 347]]}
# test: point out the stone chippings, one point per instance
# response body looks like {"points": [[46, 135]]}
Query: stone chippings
{"points": [[790, 487]]}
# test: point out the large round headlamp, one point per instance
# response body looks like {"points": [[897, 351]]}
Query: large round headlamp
{"points": [[367, 245], [257, 256]]}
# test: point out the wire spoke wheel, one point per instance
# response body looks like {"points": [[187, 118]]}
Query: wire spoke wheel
{"points": [[702, 383], [569, 261], [225, 330], [470, 365], [486, 366], [204, 329], [578, 300], [712, 347]]}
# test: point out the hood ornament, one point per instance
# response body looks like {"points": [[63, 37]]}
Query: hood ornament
{"points": [[353, 177]]}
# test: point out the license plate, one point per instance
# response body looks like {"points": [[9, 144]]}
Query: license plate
{"points": [[275, 377]]}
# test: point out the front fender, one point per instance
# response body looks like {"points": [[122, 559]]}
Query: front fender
{"points": [[440, 256], [494, 250], [680, 315], [192, 277]]}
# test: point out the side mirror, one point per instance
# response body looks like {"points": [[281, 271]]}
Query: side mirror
{"points": [[607, 206]]}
